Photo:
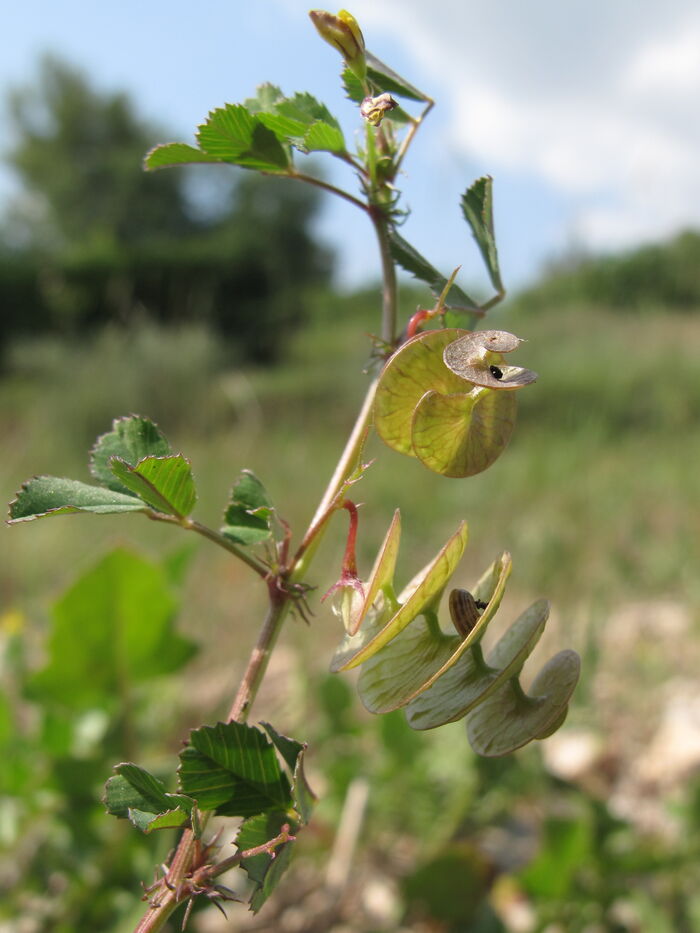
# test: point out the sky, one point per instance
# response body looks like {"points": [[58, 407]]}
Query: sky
{"points": [[586, 114]]}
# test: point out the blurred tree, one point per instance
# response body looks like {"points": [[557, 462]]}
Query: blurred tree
{"points": [[79, 155], [94, 238]]}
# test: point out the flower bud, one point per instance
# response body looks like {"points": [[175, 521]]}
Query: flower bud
{"points": [[343, 33], [374, 109]]}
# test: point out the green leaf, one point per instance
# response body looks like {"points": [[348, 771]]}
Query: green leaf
{"points": [[384, 79], [112, 629], [292, 753], [509, 719], [44, 496], [168, 155], [131, 438], [423, 592], [233, 768], [267, 95], [477, 207], [322, 137], [412, 261], [306, 124], [136, 794], [302, 795], [387, 79], [568, 844], [288, 748], [263, 870], [248, 517], [165, 483], [148, 822], [232, 134], [177, 561], [306, 110], [468, 683], [423, 655]]}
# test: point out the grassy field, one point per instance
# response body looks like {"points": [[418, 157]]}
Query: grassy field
{"points": [[596, 497]]}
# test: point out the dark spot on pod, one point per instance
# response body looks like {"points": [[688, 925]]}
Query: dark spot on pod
{"points": [[465, 611], [496, 372]]}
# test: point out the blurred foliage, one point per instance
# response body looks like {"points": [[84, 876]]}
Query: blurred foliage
{"points": [[507, 831], [646, 278], [63, 866], [78, 154], [94, 239]]}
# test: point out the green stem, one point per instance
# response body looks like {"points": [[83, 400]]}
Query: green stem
{"points": [[189, 524], [349, 461], [300, 176], [410, 135], [240, 552], [259, 658], [389, 289]]}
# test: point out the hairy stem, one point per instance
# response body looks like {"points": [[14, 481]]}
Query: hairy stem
{"points": [[349, 461], [189, 524], [410, 135], [389, 291], [259, 658], [300, 176]]}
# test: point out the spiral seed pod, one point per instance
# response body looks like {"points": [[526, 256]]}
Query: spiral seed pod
{"points": [[478, 358]]}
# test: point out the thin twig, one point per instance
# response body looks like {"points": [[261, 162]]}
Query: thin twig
{"points": [[259, 658], [389, 287], [189, 524], [410, 135], [300, 176]]}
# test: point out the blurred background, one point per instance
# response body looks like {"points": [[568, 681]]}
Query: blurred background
{"points": [[235, 311]]}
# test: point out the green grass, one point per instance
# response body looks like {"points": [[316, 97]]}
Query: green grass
{"points": [[596, 498]]}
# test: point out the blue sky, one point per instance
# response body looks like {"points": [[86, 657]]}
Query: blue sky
{"points": [[585, 113]]}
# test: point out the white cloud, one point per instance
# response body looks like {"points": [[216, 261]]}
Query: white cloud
{"points": [[597, 100]]}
